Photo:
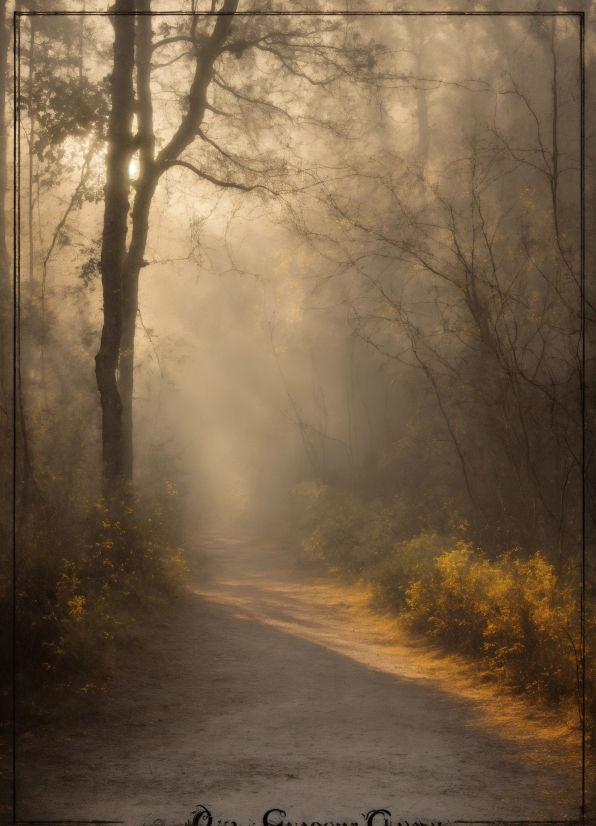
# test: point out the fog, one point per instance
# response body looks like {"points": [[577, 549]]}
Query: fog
{"points": [[320, 283], [341, 313]]}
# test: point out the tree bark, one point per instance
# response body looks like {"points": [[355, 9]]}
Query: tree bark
{"points": [[145, 189], [120, 147], [130, 306]]}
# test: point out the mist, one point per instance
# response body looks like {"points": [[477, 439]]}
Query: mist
{"points": [[311, 283]]}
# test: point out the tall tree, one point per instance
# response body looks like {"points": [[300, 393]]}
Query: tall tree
{"points": [[301, 51], [151, 168], [113, 248]]}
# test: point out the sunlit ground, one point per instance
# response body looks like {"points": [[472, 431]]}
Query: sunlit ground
{"points": [[343, 618]]}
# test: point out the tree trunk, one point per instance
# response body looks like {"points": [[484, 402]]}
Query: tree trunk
{"points": [[113, 247], [133, 261], [130, 305]]}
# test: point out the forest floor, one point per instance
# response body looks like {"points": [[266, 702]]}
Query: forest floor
{"points": [[273, 686]]}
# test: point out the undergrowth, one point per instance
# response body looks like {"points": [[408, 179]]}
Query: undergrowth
{"points": [[511, 613], [83, 580]]}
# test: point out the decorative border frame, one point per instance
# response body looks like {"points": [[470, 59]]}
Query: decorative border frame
{"points": [[581, 17]]}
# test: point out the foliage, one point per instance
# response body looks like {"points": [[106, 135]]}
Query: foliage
{"points": [[83, 582], [73, 108], [513, 614]]}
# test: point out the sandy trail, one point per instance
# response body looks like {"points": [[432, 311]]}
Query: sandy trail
{"points": [[274, 689]]}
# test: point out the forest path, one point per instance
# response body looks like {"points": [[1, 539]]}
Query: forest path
{"points": [[272, 688]]}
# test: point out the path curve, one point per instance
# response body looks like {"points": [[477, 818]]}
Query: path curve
{"points": [[271, 688]]}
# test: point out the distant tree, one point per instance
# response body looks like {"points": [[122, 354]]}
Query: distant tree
{"points": [[484, 289], [60, 108]]}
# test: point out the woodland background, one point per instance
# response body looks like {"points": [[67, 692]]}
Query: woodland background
{"points": [[326, 275]]}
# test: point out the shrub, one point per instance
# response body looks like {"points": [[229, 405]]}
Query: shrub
{"points": [[405, 562], [83, 580], [348, 533], [512, 614]]}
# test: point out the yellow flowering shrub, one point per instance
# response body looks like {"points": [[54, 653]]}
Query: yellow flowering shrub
{"points": [[81, 584], [512, 613]]}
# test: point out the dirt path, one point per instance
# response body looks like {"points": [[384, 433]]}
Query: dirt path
{"points": [[271, 689]]}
